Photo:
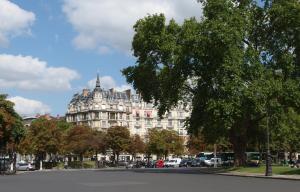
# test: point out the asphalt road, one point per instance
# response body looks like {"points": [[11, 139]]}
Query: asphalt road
{"points": [[131, 181]]}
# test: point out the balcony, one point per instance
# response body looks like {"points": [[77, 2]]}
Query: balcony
{"points": [[170, 126]]}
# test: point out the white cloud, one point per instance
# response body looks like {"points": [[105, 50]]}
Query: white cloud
{"points": [[28, 73], [109, 23], [107, 82], [14, 21], [26, 107]]}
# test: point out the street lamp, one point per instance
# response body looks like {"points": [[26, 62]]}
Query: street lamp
{"points": [[268, 159], [278, 73]]}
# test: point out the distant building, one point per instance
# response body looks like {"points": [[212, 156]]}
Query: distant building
{"points": [[27, 120], [101, 109]]}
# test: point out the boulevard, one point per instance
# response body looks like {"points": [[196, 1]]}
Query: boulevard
{"points": [[137, 181]]}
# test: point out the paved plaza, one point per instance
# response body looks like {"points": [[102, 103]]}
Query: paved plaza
{"points": [[141, 181]]}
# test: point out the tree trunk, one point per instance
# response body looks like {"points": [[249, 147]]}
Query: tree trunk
{"points": [[15, 162], [117, 161], [96, 161], [81, 160], [166, 155], [240, 156], [238, 142], [40, 158]]}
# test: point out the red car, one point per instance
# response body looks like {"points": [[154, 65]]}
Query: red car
{"points": [[159, 164]]}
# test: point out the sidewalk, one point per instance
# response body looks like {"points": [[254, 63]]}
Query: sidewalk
{"points": [[258, 175], [217, 171]]}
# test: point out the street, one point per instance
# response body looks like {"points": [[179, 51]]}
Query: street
{"points": [[141, 181]]}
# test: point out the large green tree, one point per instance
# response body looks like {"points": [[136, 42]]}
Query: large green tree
{"points": [[287, 133], [236, 67], [11, 128], [79, 140], [136, 145], [118, 140], [164, 142], [98, 142], [42, 137]]}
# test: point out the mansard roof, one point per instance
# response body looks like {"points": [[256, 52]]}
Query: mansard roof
{"points": [[88, 96], [106, 95]]}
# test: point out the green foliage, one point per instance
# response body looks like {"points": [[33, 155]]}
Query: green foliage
{"points": [[11, 127], [286, 136], [42, 137], [79, 164], [136, 145], [277, 170], [98, 142], [237, 66], [78, 140], [163, 142], [195, 144], [118, 139]]}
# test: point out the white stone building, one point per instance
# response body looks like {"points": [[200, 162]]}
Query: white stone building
{"points": [[101, 109]]}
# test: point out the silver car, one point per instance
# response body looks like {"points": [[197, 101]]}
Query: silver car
{"points": [[25, 167]]}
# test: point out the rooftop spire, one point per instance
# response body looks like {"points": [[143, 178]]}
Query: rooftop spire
{"points": [[98, 81]]}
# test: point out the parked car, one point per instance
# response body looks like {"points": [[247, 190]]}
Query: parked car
{"points": [[166, 162], [211, 162], [24, 166], [150, 164], [196, 163], [227, 159], [186, 163], [253, 159], [159, 163], [135, 164], [123, 163], [173, 162], [296, 164]]}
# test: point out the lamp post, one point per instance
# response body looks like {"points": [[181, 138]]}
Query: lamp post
{"points": [[278, 73], [268, 158]]}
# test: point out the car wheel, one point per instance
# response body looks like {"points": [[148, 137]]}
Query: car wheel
{"points": [[27, 169]]}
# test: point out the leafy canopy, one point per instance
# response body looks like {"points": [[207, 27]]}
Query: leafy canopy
{"points": [[11, 127], [237, 66]]}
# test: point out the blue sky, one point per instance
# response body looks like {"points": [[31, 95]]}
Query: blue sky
{"points": [[50, 50]]}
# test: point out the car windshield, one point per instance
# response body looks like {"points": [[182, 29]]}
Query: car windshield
{"points": [[23, 164]]}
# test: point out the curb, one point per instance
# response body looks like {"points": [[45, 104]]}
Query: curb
{"points": [[215, 172], [280, 177]]}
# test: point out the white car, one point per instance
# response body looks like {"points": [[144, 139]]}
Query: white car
{"points": [[211, 162], [25, 166], [173, 162]]}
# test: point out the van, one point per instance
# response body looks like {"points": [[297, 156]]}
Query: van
{"points": [[173, 162]]}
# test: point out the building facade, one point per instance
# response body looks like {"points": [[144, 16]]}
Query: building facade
{"points": [[101, 109]]}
